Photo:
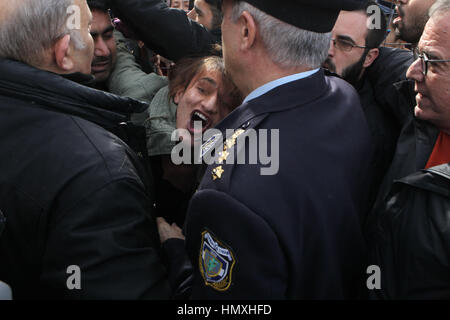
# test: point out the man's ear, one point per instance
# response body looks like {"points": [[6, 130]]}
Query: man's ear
{"points": [[62, 53], [370, 57], [247, 30]]}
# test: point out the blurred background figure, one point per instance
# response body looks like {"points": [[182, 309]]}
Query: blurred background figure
{"points": [[208, 13], [180, 4], [412, 15], [392, 39]]}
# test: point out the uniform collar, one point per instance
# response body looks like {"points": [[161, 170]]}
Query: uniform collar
{"points": [[276, 83], [283, 97]]}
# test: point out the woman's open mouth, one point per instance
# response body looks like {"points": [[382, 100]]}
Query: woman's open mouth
{"points": [[199, 122]]}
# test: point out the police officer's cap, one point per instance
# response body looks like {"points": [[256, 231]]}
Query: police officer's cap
{"points": [[313, 15]]}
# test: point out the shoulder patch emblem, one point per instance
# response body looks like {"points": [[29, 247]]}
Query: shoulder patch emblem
{"points": [[216, 262]]}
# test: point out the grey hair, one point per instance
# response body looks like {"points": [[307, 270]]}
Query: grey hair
{"points": [[33, 27], [439, 7], [287, 45]]}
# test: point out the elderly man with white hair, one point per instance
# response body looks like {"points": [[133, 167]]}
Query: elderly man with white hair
{"points": [[411, 235], [75, 198]]}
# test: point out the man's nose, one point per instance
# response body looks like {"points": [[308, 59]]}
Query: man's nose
{"points": [[101, 49], [331, 49], [192, 14], [415, 71]]}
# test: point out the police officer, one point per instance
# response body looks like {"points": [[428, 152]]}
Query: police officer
{"points": [[288, 228]]}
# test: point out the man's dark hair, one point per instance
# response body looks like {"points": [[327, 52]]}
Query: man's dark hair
{"points": [[98, 4], [216, 9], [375, 36]]}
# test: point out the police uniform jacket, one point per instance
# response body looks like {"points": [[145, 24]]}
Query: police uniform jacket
{"points": [[294, 234]]}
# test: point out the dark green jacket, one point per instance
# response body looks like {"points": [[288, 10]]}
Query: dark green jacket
{"points": [[159, 119]]}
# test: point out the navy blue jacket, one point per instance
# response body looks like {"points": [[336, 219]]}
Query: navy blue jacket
{"points": [[296, 234]]}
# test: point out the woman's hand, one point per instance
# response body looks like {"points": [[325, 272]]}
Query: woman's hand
{"points": [[167, 231]]}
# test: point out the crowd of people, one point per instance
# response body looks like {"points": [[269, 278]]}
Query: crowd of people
{"points": [[97, 97]]}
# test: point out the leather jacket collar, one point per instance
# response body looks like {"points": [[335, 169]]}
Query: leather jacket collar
{"points": [[62, 94]]}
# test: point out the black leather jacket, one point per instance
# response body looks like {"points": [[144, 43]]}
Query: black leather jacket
{"points": [[410, 234], [73, 193], [408, 228]]}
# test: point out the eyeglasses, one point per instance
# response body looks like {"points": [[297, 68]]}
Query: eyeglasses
{"points": [[345, 45], [425, 60]]}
